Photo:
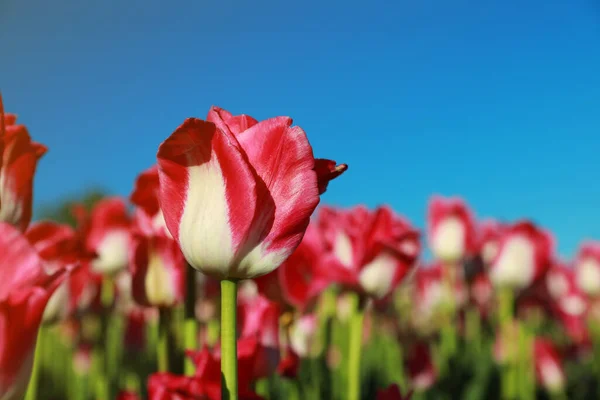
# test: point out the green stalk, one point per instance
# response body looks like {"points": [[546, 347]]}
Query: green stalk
{"points": [[32, 389], [510, 371], [163, 340], [356, 328], [190, 327], [229, 372]]}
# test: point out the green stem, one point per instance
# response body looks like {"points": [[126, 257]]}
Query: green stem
{"points": [[190, 326], [356, 329], [229, 372], [32, 389], [163, 340]]}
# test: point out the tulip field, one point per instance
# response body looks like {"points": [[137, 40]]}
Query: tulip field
{"points": [[222, 277]]}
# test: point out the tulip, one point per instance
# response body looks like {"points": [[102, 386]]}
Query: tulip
{"points": [[548, 366], [259, 318], [559, 280], [451, 229], [369, 252], [58, 248], [302, 334], [421, 370], [488, 242], [19, 156], [25, 289], [149, 216], [158, 271], [302, 277], [237, 196], [109, 236], [392, 392], [524, 255], [587, 268]]}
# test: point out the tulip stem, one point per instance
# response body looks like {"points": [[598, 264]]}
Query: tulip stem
{"points": [[356, 329], [190, 326], [229, 372], [164, 323], [35, 372]]}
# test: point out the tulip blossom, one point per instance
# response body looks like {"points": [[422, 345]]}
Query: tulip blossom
{"points": [[302, 334], [431, 292], [587, 268], [206, 382], [19, 156], [548, 366], [109, 235], [559, 280], [128, 395], [524, 255], [368, 251], [451, 230], [259, 319], [420, 367], [58, 248], [237, 194], [392, 392], [302, 277], [25, 289], [149, 216], [158, 271], [488, 242]]}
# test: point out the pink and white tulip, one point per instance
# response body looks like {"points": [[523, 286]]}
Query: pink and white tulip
{"points": [[237, 194]]}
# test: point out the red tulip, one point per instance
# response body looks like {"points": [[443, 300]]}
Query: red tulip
{"points": [[149, 216], [158, 271], [19, 156], [259, 318], [451, 229], [587, 268], [431, 292], [524, 255], [392, 392], [420, 367], [301, 278], [370, 252], [548, 366], [302, 334], [488, 242], [206, 382], [108, 235], [128, 395], [58, 247], [560, 280], [25, 289], [289, 366], [237, 194]]}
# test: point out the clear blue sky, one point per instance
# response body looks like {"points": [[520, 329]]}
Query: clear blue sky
{"points": [[497, 101]]}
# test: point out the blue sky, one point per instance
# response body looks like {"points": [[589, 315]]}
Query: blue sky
{"points": [[496, 101]]}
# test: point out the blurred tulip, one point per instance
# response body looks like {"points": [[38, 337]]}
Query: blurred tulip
{"points": [[237, 194], [158, 271], [548, 366], [19, 156], [451, 229], [302, 334], [369, 252], [524, 255], [302, 277], [420, 367], [109, 235], [587, 268], [128, 395], [488, 242], [259, 318], [289, 365], [25, 289], [392, 392], [560, 280], [149, 217]]}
